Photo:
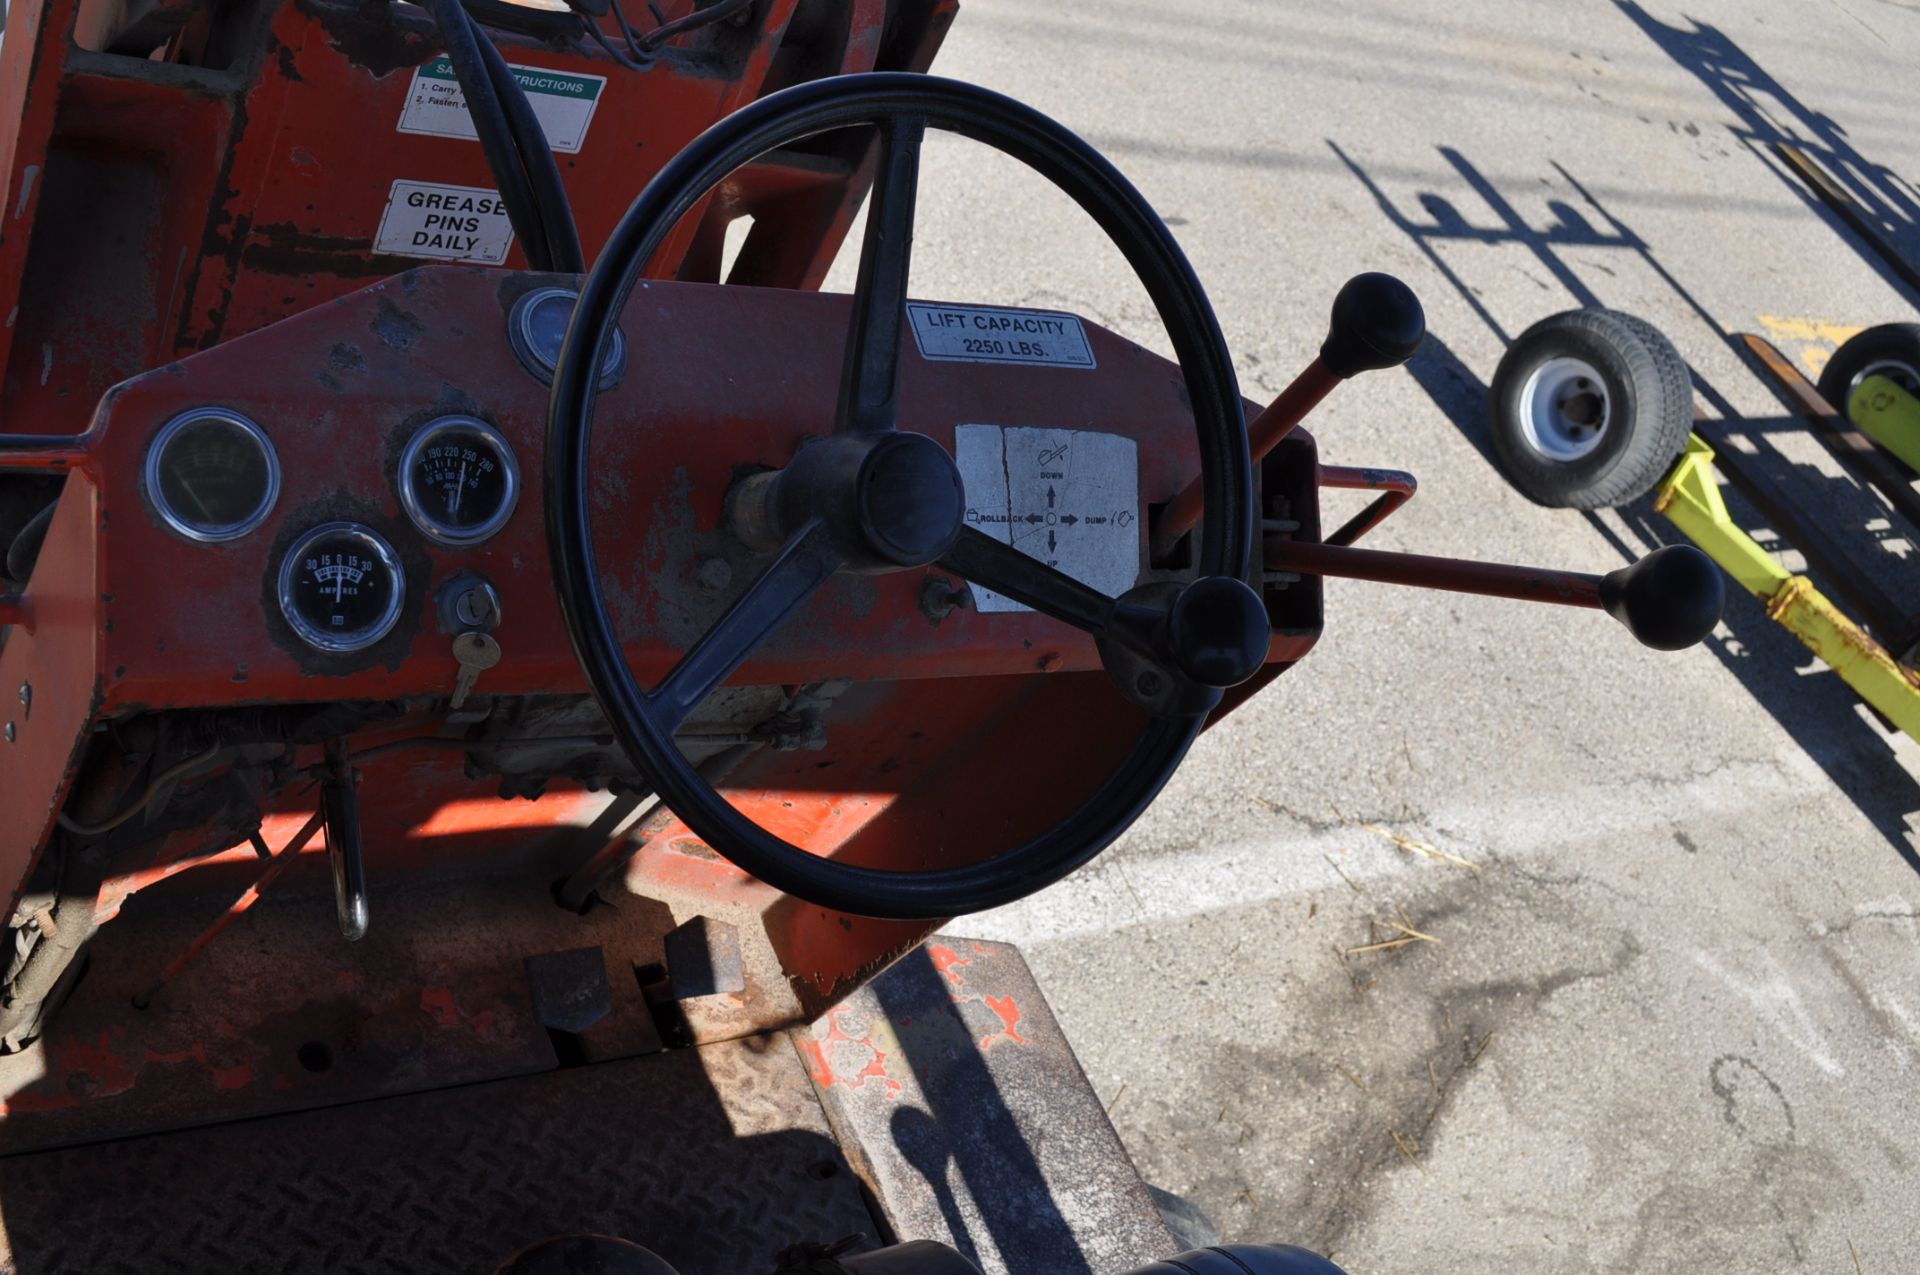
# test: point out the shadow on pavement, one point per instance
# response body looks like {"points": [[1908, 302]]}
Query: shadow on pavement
{"points": [[1820, 712], [1770, 115]]}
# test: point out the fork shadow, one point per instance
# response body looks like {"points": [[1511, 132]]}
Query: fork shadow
{"points": [[1769, 115], [1820, 713]]}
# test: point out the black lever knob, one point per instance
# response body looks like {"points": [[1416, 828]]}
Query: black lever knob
{"points": [[1218, 632], [1377, 324], [1670, 599]]}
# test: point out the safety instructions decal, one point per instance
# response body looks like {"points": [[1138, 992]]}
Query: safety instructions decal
{"points": [[446, 223], [976, 334], [1069, 497], [562, 101]]}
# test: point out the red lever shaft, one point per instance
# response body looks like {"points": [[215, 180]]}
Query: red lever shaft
{"points": [[1264, 433], [1491, 579]]}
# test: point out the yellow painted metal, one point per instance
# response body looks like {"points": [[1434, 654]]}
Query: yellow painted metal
{"points": [[1889, 416], [1690, 498]]}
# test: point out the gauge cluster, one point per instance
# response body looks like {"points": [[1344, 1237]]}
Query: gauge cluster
{"points": [[340, 551], [213, 476]]}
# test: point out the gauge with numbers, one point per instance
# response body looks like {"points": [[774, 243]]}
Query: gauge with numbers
{"points": [[341, 587], [458, 480]]}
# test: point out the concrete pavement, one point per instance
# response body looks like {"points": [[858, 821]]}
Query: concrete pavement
{"points": [[1671, 1018]]}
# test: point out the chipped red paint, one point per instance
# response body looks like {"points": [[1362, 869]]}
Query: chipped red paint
{"points": [[96, 1071], [948, 961], [830, 1054], [441, 1005], [235, 1077], [1009, 1012], [820, 1068], [196, 1054]]}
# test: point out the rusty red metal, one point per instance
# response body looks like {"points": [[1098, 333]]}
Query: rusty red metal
{"points": [[1491, 579], [1864, 458], [1397, 485], [959, 1096], [1011, 702], [39, 453], [288, 855], [1264, 432], [157, 205], [193, 224]]}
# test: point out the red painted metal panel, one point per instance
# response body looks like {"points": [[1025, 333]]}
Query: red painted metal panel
{"points": [[51, 680], [185, 204], [717, 378]]}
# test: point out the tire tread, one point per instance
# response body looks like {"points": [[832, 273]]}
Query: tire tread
{"points": [[1662, 418]]}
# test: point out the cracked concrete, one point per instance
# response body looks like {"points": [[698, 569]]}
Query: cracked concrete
{"points": [[1671, 1021]]}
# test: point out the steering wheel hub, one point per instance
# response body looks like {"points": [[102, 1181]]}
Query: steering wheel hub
{"points": [[910, 499], [887, 501]]}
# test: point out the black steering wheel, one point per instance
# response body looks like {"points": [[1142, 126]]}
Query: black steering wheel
{"points": [[872, 498]]}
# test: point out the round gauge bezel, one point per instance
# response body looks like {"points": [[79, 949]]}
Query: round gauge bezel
{"points": [[183, 526], [326, 639], [416, 506], [520, 336]]}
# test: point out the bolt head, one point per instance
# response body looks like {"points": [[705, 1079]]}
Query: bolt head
{"points": [[713, 575]]}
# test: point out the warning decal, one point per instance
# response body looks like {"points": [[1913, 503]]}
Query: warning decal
{"points": [[1069, 497], [562, 101], [446, 223]]}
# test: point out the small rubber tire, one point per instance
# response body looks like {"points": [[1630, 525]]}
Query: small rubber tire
{"points": [[1646, 393], [1892, 349]]}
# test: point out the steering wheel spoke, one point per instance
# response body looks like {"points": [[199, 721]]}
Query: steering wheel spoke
{"points": [[994, 564], [870, 378], [807, 561]]}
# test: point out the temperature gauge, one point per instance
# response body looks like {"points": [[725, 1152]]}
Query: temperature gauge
{"points": [[458, 480], [341, 587]]}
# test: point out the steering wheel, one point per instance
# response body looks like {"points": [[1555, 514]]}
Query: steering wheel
{"points": [[873, 498]]}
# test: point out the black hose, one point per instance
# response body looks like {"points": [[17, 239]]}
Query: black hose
{"points": [[632, 59], [536, 158], [490, 123], [723, 11], [626, 29]]}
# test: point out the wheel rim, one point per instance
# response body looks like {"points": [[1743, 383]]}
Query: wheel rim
{"points": [[1565, 409], [1905, 375]]}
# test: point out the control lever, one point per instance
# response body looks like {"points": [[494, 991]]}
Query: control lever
{"points": [[340, 803], [1670, 599], [1377, 323]]}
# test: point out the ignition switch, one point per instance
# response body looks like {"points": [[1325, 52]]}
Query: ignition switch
{"points": [[467, 604]]}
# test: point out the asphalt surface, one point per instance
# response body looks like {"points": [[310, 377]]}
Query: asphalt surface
{"points": [[1670, 1014]]}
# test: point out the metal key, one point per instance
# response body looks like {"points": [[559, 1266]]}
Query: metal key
{"points": [[477, 652]]}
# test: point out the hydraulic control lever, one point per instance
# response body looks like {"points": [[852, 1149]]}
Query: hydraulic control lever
{"points": [[340, 802], [1668, 600], [1377, 323]]}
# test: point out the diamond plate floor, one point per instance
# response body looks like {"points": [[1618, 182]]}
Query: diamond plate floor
{"points": [[716, 1158]]}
